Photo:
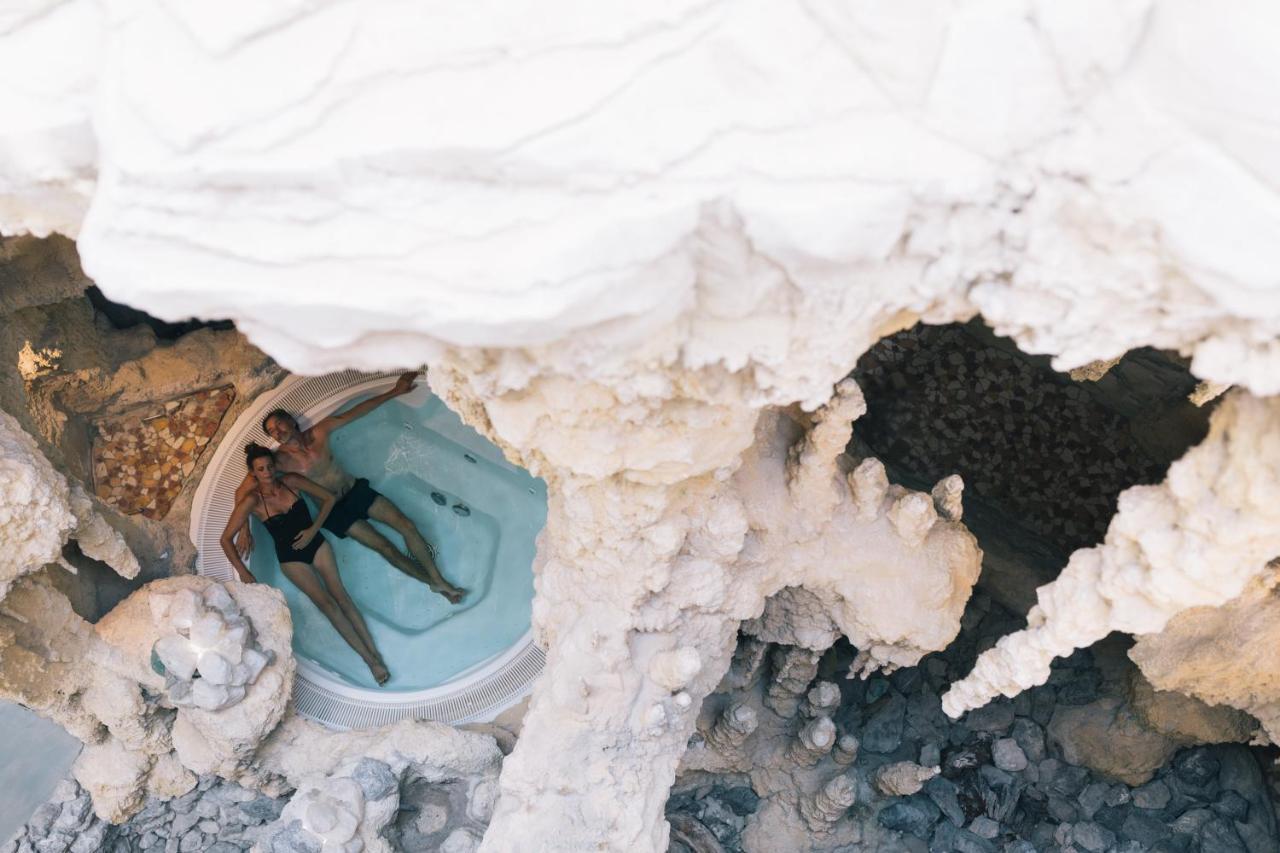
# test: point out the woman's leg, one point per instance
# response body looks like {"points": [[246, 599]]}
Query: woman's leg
{"points": [[304, 577], [327, 567], [364, 533]]}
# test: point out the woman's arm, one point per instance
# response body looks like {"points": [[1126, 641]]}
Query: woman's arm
{"points": [[243, 537], [323, 496], [239, 516]]}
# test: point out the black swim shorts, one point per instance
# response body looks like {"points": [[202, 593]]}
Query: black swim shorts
{"points": [[350, 508]]}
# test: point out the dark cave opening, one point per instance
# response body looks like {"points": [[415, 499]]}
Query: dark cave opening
{"points": [[1044, 457], [122, 316]]}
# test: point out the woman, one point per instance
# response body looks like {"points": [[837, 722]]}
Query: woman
{"points": [[305, 557]]}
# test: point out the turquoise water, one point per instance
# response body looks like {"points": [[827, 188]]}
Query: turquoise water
{"points": [[410, 448]]}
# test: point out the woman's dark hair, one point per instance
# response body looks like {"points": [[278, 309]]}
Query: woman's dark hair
{"points": [[277, 413], [254, 451]]}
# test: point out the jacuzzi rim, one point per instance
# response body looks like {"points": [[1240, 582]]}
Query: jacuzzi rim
{"points": [[478, 694]]}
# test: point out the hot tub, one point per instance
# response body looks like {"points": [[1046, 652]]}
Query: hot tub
{"points": [[452, 663]]}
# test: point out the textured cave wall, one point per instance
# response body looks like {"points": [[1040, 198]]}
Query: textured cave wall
{"points": [[70, 367], [619, 236]]}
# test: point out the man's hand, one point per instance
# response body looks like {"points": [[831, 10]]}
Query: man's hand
{"points": [[247, 577], [244, 544], [406, 383], [304, 537]]}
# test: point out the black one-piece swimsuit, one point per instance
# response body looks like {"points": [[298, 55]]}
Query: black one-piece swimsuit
{"points": [[284, 527]]}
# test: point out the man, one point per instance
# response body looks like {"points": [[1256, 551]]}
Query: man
{"points": [[306, 452]]}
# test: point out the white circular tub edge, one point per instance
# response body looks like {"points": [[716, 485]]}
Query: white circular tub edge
{"points": [[477, 695]]}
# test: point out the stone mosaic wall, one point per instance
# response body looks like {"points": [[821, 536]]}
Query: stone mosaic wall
{"points": [[142, 460]]}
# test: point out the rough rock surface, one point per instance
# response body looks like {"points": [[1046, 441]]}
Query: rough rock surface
{"points": [[818, 179], [750, 795], [1198, 538], [1223, 655], [40, 510]]}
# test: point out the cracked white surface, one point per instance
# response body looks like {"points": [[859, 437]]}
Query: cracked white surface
{"points": [[1091, 176]]}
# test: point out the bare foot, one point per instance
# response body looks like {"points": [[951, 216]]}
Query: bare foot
{"points": [[380, 673], [454, 594]]}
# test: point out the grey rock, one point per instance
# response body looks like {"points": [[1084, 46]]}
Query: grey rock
{"points": [[375, 778], [1190, 822], [984, 827], [171, 844], [1196, 767], [262, 810], [75, 815], [1144, 829], [182, 824], [1062, 810], [1007, 755], [882, 731], [1118, 795], [1068, 781], [1232, 806], [1092, 837], [944, 837], [946, 796], [1153, 795], [191, 842], [207, 807], [967, 842], [185, 803], [1020, 846], [914, 815], [209, 827], [90, 840], [1000, 794], [1092, 798], [10, 846], [1220, 836], [1113, 817], [1043, 701], [994, 717], [1030, 737], [57, 842], [294, 839], [222, 847], [930, 755], [42, 820]]}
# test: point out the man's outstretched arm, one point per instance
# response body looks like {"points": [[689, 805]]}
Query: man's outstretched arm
{"points": [[406, 383]]}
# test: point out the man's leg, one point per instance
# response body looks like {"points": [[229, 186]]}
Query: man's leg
{"points": [[364, 533], [389, 514]]}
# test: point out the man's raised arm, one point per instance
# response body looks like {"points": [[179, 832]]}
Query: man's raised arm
{"points": [[406, 383]]}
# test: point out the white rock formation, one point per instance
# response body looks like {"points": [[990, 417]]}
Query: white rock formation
{"points": [[206, 650], [616, 308], [1222, 655], [341, 813], [1197, 539], [40, 511], [903, 778]]}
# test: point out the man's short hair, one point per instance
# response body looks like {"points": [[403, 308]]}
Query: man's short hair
{"points": [[277, 413]]}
